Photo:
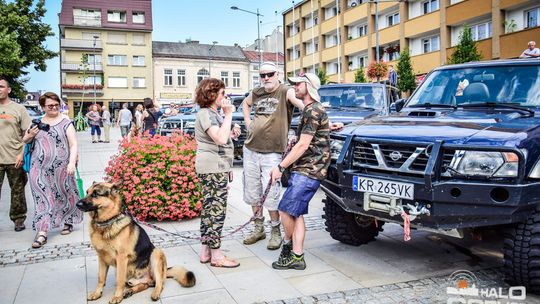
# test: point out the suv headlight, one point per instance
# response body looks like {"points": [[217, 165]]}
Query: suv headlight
{"points": [[535, 172], [488, 164], [335, 148]]}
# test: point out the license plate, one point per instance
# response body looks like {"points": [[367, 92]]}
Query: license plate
{"points": [[380, 186]]}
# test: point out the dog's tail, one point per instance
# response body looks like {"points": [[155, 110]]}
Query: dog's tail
{"points": [[183, 276]]}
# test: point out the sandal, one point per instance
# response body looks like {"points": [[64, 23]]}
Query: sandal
{"points": [[68, 228], [39, 241], [225, 262]]}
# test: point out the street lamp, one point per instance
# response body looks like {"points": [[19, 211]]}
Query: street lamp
{"points": [[258, 29], [210, 58], [94, 79]]}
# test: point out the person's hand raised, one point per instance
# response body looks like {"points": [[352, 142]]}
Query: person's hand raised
{"points": [[226, 106]]}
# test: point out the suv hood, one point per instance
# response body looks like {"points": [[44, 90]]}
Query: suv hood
{"points": [[237, 116], [474, 127], [345, 117]]}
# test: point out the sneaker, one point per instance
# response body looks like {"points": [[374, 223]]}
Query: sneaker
{"points": [[292, 261], [285, 251]]}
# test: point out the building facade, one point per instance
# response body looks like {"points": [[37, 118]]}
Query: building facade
{"points": [[179, 67], [340, 36], [105, 53]]}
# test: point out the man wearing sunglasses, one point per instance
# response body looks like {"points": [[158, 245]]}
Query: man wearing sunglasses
{"points": [[273, 104], [14, 121]]}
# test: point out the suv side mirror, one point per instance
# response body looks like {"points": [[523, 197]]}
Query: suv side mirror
{"points": [[398, 105]]}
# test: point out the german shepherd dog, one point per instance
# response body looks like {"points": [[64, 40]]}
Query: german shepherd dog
{"points": [[122, 243]]}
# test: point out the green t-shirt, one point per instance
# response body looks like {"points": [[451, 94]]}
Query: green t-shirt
{"points": [[315, 161], [14, 120], [211, 158]]}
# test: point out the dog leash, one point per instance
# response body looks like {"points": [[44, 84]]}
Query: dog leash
{"points": [[255, 216]]}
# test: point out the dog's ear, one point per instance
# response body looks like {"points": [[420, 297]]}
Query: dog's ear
{"points": [[94, 182], [115, 188]]}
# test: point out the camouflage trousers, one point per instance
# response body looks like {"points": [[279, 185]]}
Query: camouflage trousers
{"points": [[17, 180], [214, 189]]}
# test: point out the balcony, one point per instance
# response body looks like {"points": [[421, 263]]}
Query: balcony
{"points": [[426, 62], [355, 13], [80, 44], [484, 47], [387, 35], [310, 59], [310, 32], [87, 20], [422, 24], [356, 45], [77, 66], [79, 89], [329, 25], [506, 4], [329, 54], [293, 64], [462, 12], [513, 44]]}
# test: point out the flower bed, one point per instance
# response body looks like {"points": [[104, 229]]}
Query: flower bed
{"points": [[157, 177]]}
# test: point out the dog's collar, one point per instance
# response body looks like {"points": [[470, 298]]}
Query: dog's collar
{"points": [[110, 221]]}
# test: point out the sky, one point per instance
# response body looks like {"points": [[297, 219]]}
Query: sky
{"points": [[177, 20]]}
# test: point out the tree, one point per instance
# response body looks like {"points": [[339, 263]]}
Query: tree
{"points": [[322, 76], [21, 41], [405, 74], [466, 50], [359, 76]]}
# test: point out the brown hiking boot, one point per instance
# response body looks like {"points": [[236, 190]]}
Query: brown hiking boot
{"points": [[275, 238], [257, 234], [19, 224]]}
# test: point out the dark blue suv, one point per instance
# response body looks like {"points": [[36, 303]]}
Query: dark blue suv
{"points": [[463, 152]]}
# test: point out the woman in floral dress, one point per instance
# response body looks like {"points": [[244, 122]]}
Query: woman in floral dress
{"points": [[52, 170]]}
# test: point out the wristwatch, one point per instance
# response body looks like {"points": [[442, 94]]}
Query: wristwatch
{"points": [[281, 169]]}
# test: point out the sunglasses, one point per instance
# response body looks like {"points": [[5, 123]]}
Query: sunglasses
{"points": [[52, 106], [269, 75]]}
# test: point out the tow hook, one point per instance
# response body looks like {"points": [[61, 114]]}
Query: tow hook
{"points": [[414, 211]]}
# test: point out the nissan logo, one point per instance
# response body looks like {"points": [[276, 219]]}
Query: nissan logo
{"points": [[395, 155]]}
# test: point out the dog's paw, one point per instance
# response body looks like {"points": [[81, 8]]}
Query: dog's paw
{"points": [[155, 296], [128, 293], [93, 296], [115, 300]]}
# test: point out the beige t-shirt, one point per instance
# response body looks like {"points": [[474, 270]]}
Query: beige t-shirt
{"points": [[273, 113], [211, 158], [14, 120]]}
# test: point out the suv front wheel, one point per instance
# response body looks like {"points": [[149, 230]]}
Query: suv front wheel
{"points": [[522, 253], [349, 228]]}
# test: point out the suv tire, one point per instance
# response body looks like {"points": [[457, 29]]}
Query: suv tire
{"points": [[349, 228], [522, 253]]}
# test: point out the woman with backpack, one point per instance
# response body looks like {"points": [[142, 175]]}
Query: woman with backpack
{"points": [[150, 117]]}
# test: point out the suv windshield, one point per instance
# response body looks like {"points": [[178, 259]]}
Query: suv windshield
{"points": [[517, 85], [352, 97]]}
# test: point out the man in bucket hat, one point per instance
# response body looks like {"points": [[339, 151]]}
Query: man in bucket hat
{"points": [[266, 140], [309, 160]]}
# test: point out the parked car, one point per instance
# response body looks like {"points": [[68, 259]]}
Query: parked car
{"points": [[461, 154], [34, 111]]}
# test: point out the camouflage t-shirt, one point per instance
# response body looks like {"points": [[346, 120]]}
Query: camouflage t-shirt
{"points": [[315, 161]]}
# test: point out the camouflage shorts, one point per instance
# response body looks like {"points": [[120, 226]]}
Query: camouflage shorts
{"points": [[17, 180], [214, 189]]}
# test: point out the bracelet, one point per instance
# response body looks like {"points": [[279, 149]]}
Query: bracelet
{"points": [[281, 169]]}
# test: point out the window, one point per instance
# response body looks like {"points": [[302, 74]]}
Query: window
{"points": [[330, 40], [202, 74], [139, 82], [117, 60], [116, 16], [138, 39], [331, 68], [88, 17], [181, 77], [531, 17], [430, 44], [92, 57], [236, 79], [310, 21], [294, 29], [430, 6], [116, 38], [255, 82], [481, 31], [255, 67], [89, 80], [311, 47], [167, 80], [225, 78], [393, 19], [357, 61], [357, 31], [330, 12], [118, 82], [138, 60], [138, 17]]}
